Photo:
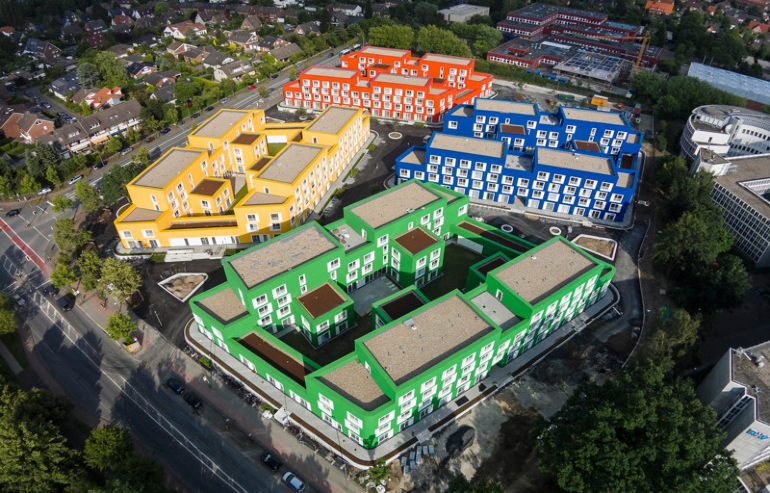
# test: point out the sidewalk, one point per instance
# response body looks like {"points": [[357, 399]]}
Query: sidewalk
{"points": [[8, 357], [422, 430]]}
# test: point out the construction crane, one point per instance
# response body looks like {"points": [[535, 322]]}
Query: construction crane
{"points": [[645, 38]]}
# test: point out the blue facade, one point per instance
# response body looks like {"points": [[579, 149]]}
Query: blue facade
{"points": [[576, 161]]}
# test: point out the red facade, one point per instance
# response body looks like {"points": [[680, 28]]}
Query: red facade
{"points": [[391, 84]]}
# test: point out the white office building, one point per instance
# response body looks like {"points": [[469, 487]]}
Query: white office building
{"points": [[727, 131], [463, 12], [738, 388]]}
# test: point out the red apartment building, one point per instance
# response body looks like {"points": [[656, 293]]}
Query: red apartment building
{"points": [[540, 19], [391, 83]]}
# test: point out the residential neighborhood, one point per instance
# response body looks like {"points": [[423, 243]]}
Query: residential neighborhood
{"points": [[395, 246]]}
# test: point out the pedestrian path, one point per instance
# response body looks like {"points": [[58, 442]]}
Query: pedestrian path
{"points": [[9, 358]]}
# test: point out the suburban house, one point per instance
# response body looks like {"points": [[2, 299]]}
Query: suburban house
{"points": [[165, 94], [157, 79], [246, 39], [94, 129], [216, 59], [176, 48], [70, 31], [151, 40], [65, 85], [25, 126], [283, 53], [194, 55], [103, 98], [177, 31], [42, 50], [307, 28], [347, 9], [120, 50], [251, 23], [271, 13], [121, 19], [97, 26], [234, 71], [95, 39], [139, 70], [270, 42]]}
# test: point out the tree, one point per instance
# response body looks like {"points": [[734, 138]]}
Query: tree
{"points": [[191, 37], [60, 203], [63, 274], [400, 37], [427, 14], [160, 8], [694, 238], [674, 334], [184, 91], [86, 109], [460, 484], [88, 74], [89, 265], [122, 276], [708, 287], [368, 12], [39, 158], [661, 142], [88, 196], [114, 145], [112, 70], [431, 39], [28, 184], [36, 456], [8, 322], [109, 447], [67, 237], [229, 85], [119, 326], [52, 176], [263, 91], [637, 433], [303, 16]]}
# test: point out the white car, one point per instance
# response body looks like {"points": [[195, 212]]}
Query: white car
{"points": [[44, 191], [75, 179], [293, 482], [126, 151]]}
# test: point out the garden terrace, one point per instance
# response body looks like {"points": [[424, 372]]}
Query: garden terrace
{"points": [[275, 357]]}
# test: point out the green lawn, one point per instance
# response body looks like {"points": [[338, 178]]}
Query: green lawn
{"points": [[457, 260], [274, 149], [13, 342]]}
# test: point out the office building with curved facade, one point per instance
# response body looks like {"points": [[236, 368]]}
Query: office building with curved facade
{"points": [[726, 131]]}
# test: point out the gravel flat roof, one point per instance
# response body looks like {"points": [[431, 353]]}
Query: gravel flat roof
{"points": [[453, 60], [544, 270], [593, 116], [377, 51], [261, 198], [332, 120], [401, 79], [506, 106], [277, 256], [574, 160], [165, 169], [394, 204], [224, 305], [417, 156], [290, 162], [353, 382], [139, 215], [468, 145], [440, 330], [220, 123], [341, 73], [321, 300]]}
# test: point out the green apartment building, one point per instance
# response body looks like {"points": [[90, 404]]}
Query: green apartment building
{"points": [[421, 353]]}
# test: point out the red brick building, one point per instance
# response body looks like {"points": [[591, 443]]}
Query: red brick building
{"points": [[391, 84]]}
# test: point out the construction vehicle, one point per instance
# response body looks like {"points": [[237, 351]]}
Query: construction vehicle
{"points": [[599, 101]]}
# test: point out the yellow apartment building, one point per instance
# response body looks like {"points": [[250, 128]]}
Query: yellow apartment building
{"points": [[226, 187]]}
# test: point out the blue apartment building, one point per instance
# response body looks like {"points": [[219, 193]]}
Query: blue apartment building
{"points": [[576, 161]]}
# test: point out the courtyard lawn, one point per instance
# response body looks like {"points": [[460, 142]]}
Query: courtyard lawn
{"points": [[457, 260], [274, 149]]}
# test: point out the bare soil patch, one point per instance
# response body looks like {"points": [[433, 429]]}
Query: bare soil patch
{"points": [[605, 247]]}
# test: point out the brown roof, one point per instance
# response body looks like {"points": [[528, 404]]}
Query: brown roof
{"points": [[275, 357], [203, 224], [246, 139], [513, 129], [416, 240], [260, 164], [584, 145], [208, 187], [321, 300], [224, 305], [403, 305]]}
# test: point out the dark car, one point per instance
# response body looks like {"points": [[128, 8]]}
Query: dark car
{"points": [[165, 131], [175, 385], [273, 76], [192, 400], [150, 139], [210, 108], [13, 212], [51, 290], [331, 55], [196, 115], [99, 165], [270, 461], [65, 303]]}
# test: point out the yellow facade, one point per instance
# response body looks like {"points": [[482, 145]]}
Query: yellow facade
{"points": [[225, 188]]}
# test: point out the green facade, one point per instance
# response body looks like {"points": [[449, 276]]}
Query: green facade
{"points": [[370, 394]]}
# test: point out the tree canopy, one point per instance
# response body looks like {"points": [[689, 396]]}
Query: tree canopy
{"points": [[639, 433], [431, 39], [8, 322], [122, 276], [120, 326], [400, 37]]}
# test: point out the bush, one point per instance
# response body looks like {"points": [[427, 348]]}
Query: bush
{"points": [[206, 362], [371, 147], [419, 125], [158, 257], [267, 407]]}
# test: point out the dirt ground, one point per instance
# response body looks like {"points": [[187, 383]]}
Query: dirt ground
{"points": [[604, 247], [502, 450]]}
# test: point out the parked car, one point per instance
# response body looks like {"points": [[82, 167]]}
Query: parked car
{"points": [[100, 164], [224, 100], [46, 106], [196, 115], [19, 299], [75, 179], [210, 108], [293, 482], [165, 131], [273, 76], [175, 385], [150, 139], [13, 212], [51, 290], [331, 55], [65, 303], [44, 191], [192, 400], [126, 151], [252, 87], [270, 461]]}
